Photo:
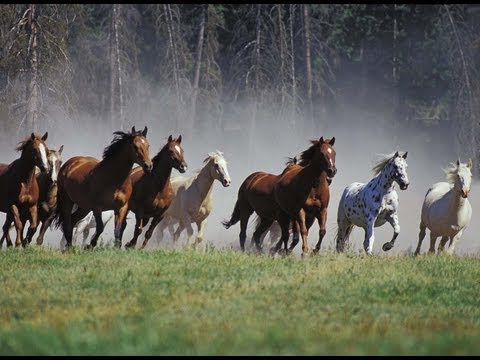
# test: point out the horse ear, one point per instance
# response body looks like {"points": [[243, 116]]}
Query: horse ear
{"points": [[405, 155], [144, 132], [458, 162], [170, 138], [179, 140], [60, 150], [32, 136], [321, 139], [133, 129], [396, 154], [470, 164], [332, 141], [45, 136]]}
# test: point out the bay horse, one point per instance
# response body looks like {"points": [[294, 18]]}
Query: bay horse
{"points": [[257, 192], [152, 193], [295, 184], [98, 186], [47, 195], [19, 188], [446, 211], [192, 202], [369, 205]]}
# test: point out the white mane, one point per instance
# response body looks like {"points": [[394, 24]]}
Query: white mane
{"points": [[380, 164]]}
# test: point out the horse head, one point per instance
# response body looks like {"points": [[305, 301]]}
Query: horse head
{"points": [[326, 146], [35, 149], [55, 162], [141, 152], [218, 168], [176, 154], [461, 176], [399, 170]]}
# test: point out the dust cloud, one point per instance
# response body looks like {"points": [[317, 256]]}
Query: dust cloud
{"points": [[359, 141]]}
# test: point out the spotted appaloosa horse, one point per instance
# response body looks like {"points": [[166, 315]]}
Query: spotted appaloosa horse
{"points": [[372, 204]]}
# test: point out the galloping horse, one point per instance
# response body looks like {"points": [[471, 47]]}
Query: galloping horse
{"points": [[295, 184], [19, 188], [193, 198], [101, 185], [372, 204], [446, 210], [257, 192], [153, 194]]}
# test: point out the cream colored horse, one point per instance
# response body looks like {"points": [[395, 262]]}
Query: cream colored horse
{"points": [[446, 211], [193, 198]]}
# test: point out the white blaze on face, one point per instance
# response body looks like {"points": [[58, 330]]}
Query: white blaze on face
{"points": [[43, 154], [143, 141], [178, 149], [54, 170]]}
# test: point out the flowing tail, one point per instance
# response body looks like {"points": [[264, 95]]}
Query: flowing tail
{"points": [[58, 213], [234, 218]]}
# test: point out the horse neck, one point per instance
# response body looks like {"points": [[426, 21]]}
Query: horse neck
{"points": [[161, 172], [307, 176], [25, 166], [204, 182], [118, 165], [382, 183], [457, 201]]}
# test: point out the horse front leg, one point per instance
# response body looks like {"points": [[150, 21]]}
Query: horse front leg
{"points": [[120, 217], [303, 231], [155, 221], [322, 223], [44, 227], [6, 230], [18, 226], [200, 229], [392, 220], [369, 237], [137, 231], [33, 213]]}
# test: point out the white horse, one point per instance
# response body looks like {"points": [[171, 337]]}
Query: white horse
{"points": [[193, 198], [372, 204], [446, 211], [85, 225]]}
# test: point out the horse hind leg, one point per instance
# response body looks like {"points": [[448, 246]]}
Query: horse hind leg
{"points": [[343, 232], [433, 239], [265, 223], [421, 236], [322, 223], [98, 228], [243, 227], [136, 233], [443, 241]]}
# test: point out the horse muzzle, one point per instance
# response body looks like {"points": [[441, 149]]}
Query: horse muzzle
{"points": [[226, 182], [404, 186], [182, 168], [148, 168], [331, 173], [465, 194]]}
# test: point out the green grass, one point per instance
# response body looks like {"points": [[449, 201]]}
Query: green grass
{"points": [[166, 302]]}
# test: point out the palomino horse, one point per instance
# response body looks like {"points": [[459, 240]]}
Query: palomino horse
{"points": [[19, 187], [446, 210], [193, 198], [47, 197], [257, 192], [153, 194], [370, 205], [101, 185]]}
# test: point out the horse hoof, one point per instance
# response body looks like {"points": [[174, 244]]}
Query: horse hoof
{"points": [[387, 246]]}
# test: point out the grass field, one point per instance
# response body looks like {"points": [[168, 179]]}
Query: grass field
{"points": [[167, 302]]}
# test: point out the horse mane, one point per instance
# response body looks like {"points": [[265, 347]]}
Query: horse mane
{"points": [[22, 144], [291, 161], [118, 141], [380, 165], [307, 155], [214, 155], [451, 171]]}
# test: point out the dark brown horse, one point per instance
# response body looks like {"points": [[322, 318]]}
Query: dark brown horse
{"points": [[257, 192], [100, 185], [152, 193], [47, 195], [294, 186], [19, 187]]}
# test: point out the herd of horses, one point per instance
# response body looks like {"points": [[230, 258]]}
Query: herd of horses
{"points": [[84, 192]]}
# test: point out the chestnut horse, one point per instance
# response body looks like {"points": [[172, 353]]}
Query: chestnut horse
{"points": [[47, 196], [19, 187], [153, 194], [282, 197], [100, 185]]}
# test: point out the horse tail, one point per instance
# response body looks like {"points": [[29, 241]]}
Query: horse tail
{"points": [[341, 236], [235, 216], [57, 219]]}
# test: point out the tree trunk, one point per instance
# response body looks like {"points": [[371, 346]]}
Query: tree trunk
{"points": [[116, 81], [292, 62], [281, 29], [198, 65], [308, 63], [33, 90], [173, 51]]}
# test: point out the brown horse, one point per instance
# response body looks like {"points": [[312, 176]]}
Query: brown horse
{"points": [[257, 193], [19, 187], [98, 186], [153, 194], [295, 184], [47, 196]]}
